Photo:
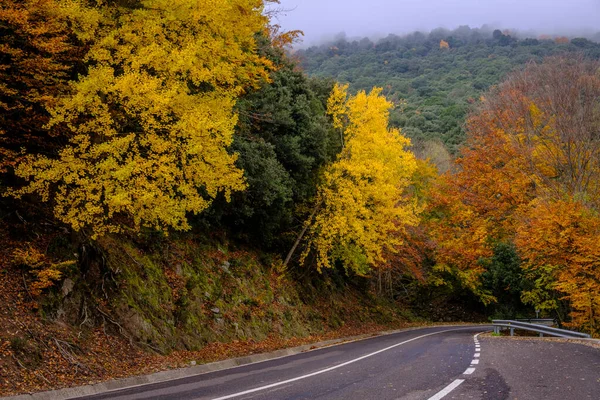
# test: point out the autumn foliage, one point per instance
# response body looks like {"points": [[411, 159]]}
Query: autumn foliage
{"points": [[530, 175], [361, 201], [37, 60], [134, 116], [560, 243], [152, 118]]}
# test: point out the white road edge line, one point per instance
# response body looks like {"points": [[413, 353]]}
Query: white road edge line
{"points": [[469, 371], [475, 361], [477, 355], [230, 396], [442, 393]]}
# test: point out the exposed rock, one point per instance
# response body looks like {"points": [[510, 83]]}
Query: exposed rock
{"points": [[67, 287], [225, 266], [179, 270]]}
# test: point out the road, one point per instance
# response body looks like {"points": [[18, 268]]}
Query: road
{"points": [[428, 363]]}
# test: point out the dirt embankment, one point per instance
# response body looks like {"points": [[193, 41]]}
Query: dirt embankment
{"points": [[126, 308]]}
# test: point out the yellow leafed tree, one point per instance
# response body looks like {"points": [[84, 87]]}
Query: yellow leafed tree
{"points": [[152, 118], [362, 202]]}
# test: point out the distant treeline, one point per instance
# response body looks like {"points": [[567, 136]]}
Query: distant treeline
{"points": [[435, 78]]}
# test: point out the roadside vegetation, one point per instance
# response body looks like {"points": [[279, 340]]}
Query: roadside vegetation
{"points": [[174, 188]]}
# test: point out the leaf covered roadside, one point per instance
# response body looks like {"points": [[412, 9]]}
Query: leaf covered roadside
{"points": [[39, 353], [60, 358]]}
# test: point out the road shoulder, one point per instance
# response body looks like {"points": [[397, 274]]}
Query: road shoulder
{"points": [[534, 368]]}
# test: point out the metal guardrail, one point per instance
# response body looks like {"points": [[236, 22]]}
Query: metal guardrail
{"points": [[538, 321], [541, 329]]}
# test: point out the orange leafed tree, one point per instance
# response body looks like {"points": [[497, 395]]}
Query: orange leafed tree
{"points": [[37, 59], [561, 40], [530, 174], [476, 207], [549, 113], [560, 242]]}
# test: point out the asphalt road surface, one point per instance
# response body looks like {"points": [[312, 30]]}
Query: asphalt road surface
{"points": [[428, 363]]}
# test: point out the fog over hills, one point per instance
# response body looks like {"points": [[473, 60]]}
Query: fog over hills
{"points": [[323, 20]]}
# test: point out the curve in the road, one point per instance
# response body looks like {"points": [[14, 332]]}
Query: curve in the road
{"points": [[285, 382], [407, 363], [456, 383]]}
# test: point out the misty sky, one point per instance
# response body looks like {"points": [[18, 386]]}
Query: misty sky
{"points": [[321, 19]]}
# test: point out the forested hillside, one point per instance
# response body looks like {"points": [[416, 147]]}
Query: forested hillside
{"points": [[175, 189], [434, 78]]}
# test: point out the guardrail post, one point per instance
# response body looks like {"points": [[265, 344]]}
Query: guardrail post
{"points": [[512, 331], [541, 334], [496, 329]]}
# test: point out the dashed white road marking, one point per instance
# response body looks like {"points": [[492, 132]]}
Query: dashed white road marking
{"points": [[445, 391], [475, 360], [439, 395]]}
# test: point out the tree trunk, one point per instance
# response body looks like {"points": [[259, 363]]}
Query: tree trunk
{"points": [[300, 236]]}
